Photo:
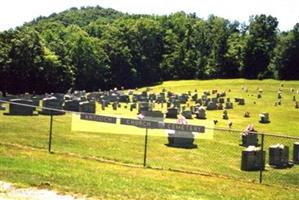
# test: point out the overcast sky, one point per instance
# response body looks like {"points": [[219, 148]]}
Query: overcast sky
{"points": [[15, 12]]}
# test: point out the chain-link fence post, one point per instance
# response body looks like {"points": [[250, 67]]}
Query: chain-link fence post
{"points": [[50, 133], [263, 157], [145, 147]]}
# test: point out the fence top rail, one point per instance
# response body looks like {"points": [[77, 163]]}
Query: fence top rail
{"points": [[254, 132], [119, 117]]}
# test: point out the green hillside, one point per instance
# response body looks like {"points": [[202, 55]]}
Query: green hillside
{"points": [[91, 48]]}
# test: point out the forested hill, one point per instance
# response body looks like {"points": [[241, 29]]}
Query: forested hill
{"points": [[80, 17], [93, 47]]}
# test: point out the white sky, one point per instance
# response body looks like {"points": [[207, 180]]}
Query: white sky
{"points": [[15, 12]]}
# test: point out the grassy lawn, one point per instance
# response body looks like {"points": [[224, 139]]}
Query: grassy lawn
{"points": [[218, 154], [109, 181]]}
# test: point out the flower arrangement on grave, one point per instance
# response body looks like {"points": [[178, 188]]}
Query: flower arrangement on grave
{"points": [[181, 120], [140, 116], [249, 130]]}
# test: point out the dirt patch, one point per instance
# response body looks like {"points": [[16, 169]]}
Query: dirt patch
{"points": [[9, 192]]}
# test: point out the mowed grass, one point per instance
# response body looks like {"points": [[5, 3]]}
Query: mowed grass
{"points": [[108, 181], [216, 156]]}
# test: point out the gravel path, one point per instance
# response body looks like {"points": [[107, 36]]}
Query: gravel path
{"points": [[9, 192]]}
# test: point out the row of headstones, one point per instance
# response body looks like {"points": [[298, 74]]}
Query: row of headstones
{"points": [[50, 105], [279, 90], [174, 100], [279, 95], [145, 96], [211, 103], [198, 111], [253, 159]]}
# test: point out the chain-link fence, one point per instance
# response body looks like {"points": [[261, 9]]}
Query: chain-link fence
{"points": [[246, 156]]}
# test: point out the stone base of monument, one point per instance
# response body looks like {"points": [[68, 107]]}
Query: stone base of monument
{"points": [[50, 112], [181, 139], [252, 159]]}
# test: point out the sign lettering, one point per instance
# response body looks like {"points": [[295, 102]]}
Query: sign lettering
{"points": [[139, 123], [98, 118], [184, 127]]}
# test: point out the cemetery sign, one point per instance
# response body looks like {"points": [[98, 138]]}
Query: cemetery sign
{"points": [[184, 127], [98, 118], [139, 123]]}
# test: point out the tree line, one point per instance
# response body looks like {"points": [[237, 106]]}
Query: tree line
{"points": [[92, 48]]}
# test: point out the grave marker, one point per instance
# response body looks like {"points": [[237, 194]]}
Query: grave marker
{"points": [[52, 103], [253, 159], [279, 156], [15, 109], [87, 107]]}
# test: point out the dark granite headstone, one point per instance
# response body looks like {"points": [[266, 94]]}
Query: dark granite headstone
{"points": [[249, 137], [59, 96], [212, 106], [294, 98], [71, 105], [225, 115], [153, 115], [219, 106], [201, 113], [183, 139], [221, 94], [144, 94], [221, 100], [296, 153], [144, 106], [241, 101], [252, 159], [124, 98], [279, 156], [264, 118], [15, 109], [228, 105], [246, 114], [199, 101], [87, 107], [194, 97], [51, 102], [152, 97], [187, 114], [183, 98], [114, 105], [133, 106], [172, 113]]}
